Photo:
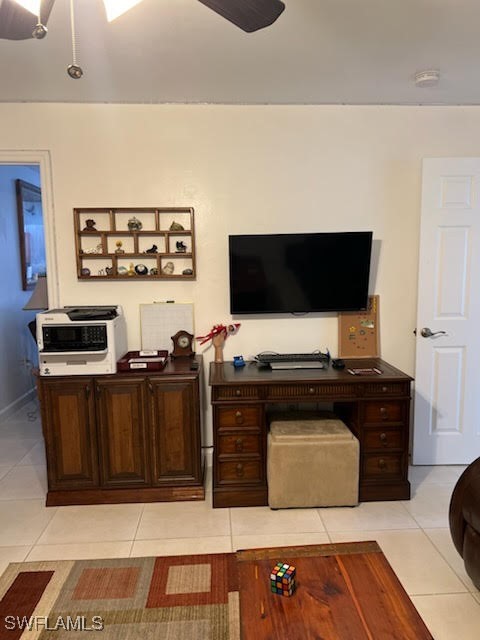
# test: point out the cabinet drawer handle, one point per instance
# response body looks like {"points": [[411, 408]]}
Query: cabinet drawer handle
{"points": [[87, 390], [238, 392], [311, 390], [382, 464], [384, 389], [239, 445], [99, 389], [383, 439], [239, 417], [384, 413], [239, 470]]}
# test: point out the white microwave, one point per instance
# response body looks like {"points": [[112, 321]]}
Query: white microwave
{"points": [[80, 340]]}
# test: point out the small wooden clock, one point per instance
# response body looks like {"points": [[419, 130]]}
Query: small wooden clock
{"points": [[182, 345]]}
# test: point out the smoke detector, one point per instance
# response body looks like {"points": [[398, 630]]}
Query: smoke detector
{"points": [[428, 78]]}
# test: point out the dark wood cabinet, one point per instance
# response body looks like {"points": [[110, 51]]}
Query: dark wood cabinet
{"points": [[376, 409], [128, 437], [175, 448], [122, 432], [70, 431]]}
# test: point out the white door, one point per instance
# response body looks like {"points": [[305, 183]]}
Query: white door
{"points": [[447, 375]]}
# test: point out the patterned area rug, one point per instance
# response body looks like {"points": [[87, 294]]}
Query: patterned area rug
{"points": [[167, 598]]}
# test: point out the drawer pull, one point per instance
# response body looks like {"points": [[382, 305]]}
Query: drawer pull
{"points": [[384, 413], [239, 445], [383, 439], [311, 390], [382, 464], [239, 417], [238, 392], [384, 389], [239, 470]]}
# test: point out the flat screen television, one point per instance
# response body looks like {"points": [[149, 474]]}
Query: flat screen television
{"points": [[300, 272]]}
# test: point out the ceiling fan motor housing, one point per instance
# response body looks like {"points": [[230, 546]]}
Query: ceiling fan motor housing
{"points": [[249, 15]]}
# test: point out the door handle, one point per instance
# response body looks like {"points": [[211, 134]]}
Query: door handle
{"points": [[426, 332]]}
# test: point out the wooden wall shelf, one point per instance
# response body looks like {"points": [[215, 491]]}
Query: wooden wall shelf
{"points": [[111, 226]]}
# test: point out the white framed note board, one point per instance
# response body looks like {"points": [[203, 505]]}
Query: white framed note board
{"points": [[159, 321]]}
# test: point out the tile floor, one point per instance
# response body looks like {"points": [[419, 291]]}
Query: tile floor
{"points": [[413, 534]]}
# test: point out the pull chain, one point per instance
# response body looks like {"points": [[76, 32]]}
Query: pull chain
{"points": [[40, 30], [74, 70]]}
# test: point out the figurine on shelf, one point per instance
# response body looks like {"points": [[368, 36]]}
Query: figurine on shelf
{"points": [[153, 249], [131, 269], [153, 271], [134, 224], [109, 271], [168, 269], [89, 225], [187, 272], [181, 246], [85, 271], [176, 226], [141, 269], [218, 334], [119, 249]]}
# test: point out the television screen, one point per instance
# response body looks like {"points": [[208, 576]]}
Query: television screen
{"points": [[299, 273]]}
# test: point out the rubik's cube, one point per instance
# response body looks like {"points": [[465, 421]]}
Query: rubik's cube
{"points": [[282, 579]]}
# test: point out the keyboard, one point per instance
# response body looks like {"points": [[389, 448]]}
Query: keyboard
{"points": [[296, 364], [270, 358]]}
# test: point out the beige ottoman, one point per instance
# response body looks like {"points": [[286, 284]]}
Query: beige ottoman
{"points": [[312, 463]]}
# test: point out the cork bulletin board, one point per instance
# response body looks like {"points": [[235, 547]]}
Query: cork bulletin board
{"points": [[359, 332]]}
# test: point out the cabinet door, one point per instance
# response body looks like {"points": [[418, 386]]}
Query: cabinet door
{"points": [[121, 416], [175, 421], [68, 415]]}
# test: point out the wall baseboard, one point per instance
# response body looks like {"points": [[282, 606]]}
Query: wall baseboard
{"points": [[15, 406]]}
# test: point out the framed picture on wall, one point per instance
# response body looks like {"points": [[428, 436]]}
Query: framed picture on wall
{"points": [[30, 232]]}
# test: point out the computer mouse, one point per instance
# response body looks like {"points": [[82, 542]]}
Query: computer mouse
{"points": [[338, 363]]}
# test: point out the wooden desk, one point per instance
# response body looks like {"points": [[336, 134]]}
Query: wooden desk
{"points": [[345, 591], [375, 408]]}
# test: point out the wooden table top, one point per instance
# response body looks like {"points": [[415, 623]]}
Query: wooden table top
{"points": [[345, 591]]}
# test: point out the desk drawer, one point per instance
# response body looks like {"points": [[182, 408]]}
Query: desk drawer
{"points": [[380, 438], [388, 411], [378, 389], [387, 465], [313, 390], [239, 392], [239, 416], [239, 471], [239, 442]]}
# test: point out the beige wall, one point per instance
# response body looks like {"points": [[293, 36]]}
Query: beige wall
{"points": [[248, 169]]}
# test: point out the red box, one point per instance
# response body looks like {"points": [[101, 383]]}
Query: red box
{"points": [[133, 361]]}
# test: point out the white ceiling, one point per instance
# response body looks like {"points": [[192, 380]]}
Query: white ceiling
{"points": [[318, 52]]}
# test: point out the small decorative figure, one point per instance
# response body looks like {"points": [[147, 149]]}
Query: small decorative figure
{"points": [[218, 334], [131, 269], [119, 249], [109, 271], [141, 269], [181, 246], [134, 224], [85, 271], [176, 226], [97, 249], [282, 579], [89, 225], [101, 272], [122, 271], [153, 249], [154, 271], [168, 269], [187, 272]]}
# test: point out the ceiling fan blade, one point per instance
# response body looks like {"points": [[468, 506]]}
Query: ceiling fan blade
{"points": [[16, 23], [249, 15]]}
